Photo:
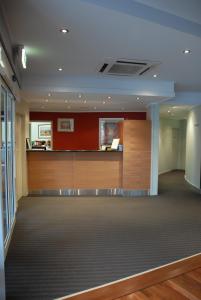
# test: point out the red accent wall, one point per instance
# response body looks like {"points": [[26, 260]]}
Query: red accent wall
{"points": [[86, 131]]}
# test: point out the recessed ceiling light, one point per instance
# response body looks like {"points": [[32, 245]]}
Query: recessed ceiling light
{"points": [[155, 75], [64, 30], [49, 95], [60, 69], [109, 97], [79, 96], [46, 100], [103, 102], [187, 51], [138, 98], [66, 101], [168, 111], [85, 101]]}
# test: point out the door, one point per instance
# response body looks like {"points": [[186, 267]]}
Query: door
{"points": [[7, 162]]}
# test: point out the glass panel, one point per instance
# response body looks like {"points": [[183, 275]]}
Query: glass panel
{"points": [[7, 160], [3, 162], [10, 158]]}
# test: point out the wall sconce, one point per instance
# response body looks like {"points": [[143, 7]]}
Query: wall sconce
{"points": [[20, 55]]}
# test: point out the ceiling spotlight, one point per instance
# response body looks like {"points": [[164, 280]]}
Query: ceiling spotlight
{"points": [[155, 75], [79, 96], [49, 95], [168, 111], [64, 30], [66, 101], [60, 69], [85, 101], [186, 51], [109, 97], [103, 102], [138, 98]]}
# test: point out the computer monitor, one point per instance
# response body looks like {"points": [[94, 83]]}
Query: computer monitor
{"points": [[115, 144]]}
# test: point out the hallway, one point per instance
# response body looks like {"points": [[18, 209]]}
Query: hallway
{"points": [[64, 245]]}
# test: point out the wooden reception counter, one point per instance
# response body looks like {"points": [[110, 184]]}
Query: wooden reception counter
{"points": [[74, 170], [113, 171]]}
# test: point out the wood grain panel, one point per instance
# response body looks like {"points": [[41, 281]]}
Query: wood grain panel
{"points": [[186, 286], [62, 170], [98, 170], [138, 287], [137, 154], [50, 170]]}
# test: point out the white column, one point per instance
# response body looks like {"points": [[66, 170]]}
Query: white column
{"points": [[153, 115]]}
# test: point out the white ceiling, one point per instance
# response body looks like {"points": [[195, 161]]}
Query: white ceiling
{"points": [[87, 102], [177, 112], [152, 30]]}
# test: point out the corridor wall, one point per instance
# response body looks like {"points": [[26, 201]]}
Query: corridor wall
{"points": [[172, 145], [193, 147]]}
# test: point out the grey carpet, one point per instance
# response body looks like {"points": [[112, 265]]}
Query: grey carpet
{"points": [[65, 245]]}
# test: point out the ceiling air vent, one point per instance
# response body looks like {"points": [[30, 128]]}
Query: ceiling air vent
{"points": [[126, 67]]}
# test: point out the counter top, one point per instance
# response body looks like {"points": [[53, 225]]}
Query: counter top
{"points": [[41, 150]]}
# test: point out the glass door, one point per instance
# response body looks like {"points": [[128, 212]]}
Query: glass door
{"points": [[10, 158], [7, 161], [4, 192]]}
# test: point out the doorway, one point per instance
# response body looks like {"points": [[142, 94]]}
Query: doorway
{"points": [[41, 135]]}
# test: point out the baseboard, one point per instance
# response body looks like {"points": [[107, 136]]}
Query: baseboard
{"points": [[7, 243], [166, 171], [192, 185], [170, 170]]}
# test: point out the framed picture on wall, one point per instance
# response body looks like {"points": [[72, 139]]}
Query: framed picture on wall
{"points": [[44, 131], [65, 125]]}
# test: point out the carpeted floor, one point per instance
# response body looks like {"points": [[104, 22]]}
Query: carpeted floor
{"points": [[65, 245]]}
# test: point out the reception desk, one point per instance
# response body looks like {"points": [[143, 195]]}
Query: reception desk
{"points": [[74, 170], [95, 172]]}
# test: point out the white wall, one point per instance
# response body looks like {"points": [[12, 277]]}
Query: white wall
{"points": [[22, 130], [172, 140], [193, 147]]}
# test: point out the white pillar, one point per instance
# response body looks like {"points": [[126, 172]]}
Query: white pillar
{"points": [[153, 115]]}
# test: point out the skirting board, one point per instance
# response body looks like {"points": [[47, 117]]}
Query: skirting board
{"points": [[90, 192], [192, 185], [166, 171], [169, 170]]}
